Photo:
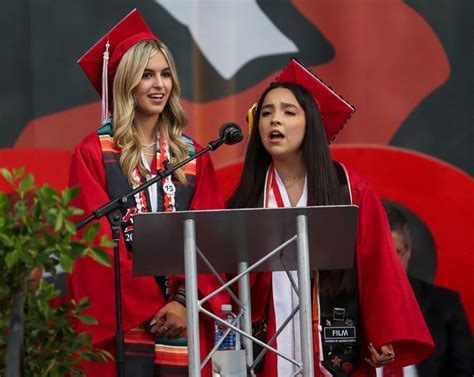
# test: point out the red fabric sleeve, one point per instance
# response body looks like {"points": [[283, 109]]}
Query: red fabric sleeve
{"points": [[206, 195], [141, 296], [389, 310]]}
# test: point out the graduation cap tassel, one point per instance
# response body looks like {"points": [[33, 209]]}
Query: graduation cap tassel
{"points": [[105, 84], [250, 116]]}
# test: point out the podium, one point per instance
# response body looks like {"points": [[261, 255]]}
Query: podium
{"points": [[243, 241]]}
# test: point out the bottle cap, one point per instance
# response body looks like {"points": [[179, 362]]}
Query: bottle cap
{"points": [[226, 308]]}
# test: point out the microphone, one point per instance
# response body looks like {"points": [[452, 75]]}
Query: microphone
{"points": [[230, 133]]}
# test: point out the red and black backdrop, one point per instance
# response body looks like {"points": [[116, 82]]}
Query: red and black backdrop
{"points": [[407, 66]]}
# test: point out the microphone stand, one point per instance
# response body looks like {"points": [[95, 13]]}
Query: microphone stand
{"points": [[113, 213]]}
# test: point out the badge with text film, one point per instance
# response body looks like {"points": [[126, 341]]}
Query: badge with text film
{"points": [[340, 332]]}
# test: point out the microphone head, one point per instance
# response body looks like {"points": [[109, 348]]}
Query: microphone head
{"points": [[230, 133]]}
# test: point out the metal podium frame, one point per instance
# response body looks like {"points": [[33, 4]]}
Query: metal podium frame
{"points": [[246, 235]]}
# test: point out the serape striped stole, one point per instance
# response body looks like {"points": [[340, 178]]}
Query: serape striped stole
{"points": [[118, 185], [147, 356]]}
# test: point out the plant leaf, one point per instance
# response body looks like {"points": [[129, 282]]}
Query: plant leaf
{"points": [[66, 263], [87, 319], [74, 191], [3, 202], [83, 304], [59, 222], [67, 195], [18, 173], [7, 175], [7, 241], [49, 194], [26, 183], [77, 250], [105, 242], [76, 211], [12, 257], [50, 239], [91, 232], [99, 256], [70, 226]]}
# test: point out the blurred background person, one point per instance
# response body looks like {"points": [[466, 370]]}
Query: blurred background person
{"points": [[443, 311]]}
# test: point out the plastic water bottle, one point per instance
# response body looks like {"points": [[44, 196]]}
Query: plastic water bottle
{"points": [[232, 340]]}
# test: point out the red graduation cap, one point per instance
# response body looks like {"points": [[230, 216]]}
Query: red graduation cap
{"points": [[335, 111], [101, 61]]}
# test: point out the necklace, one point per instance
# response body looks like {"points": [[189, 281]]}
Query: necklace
{"points": [[148, 153], [295, 177], [147, 146], [144, 145]]}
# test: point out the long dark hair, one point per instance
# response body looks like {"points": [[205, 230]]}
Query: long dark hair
{"points": [[323, 186], [322, 181]]}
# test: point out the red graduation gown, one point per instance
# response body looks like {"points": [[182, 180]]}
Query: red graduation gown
{"points": [[389, 312], [141, 296]]}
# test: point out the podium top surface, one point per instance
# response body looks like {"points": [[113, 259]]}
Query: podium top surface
{"points": [[228, 237]]}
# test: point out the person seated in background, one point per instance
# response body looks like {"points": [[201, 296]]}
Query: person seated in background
{"points": [[443, 311]]}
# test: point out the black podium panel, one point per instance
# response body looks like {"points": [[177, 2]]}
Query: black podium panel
{"points": [[228, 237]]}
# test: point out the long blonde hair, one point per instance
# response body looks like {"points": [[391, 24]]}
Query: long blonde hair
{"points": [[171, 121]]}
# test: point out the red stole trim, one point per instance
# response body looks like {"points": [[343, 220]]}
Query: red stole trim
{"points": [[161, 166], [273, 184]]}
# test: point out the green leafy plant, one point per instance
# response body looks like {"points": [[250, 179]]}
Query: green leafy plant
{"points": [[36, 236]]}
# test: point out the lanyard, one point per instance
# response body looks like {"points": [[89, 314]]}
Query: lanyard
{"points": [[169, 188]]}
